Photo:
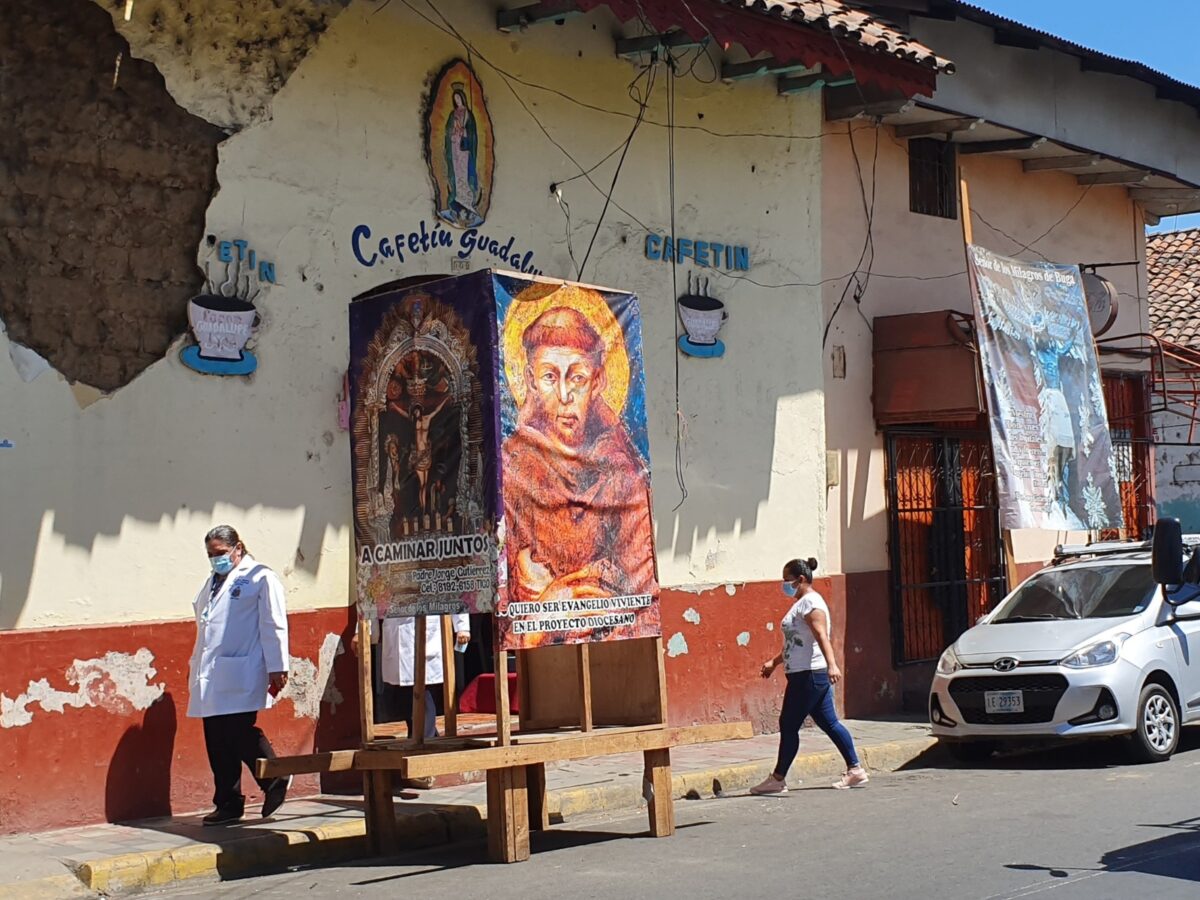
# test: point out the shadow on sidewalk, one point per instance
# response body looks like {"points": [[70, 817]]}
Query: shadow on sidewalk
{"points": [[1172, 856], [474, 853], [1031, 756]]}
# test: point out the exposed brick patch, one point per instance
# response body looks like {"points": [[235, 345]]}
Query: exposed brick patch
{"points": [[103, 193]]}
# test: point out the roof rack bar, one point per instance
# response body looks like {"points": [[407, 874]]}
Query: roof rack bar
{"points": [[1100, 548]]}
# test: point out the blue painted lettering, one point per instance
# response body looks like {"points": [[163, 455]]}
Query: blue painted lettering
{"points": [[716, 249], [683, 248], [653, 247], [241, 248], [414, 243], [361, 233], [385, 248], [467, 242], [742, 261], [668, 251], [266, 272], [225, 251]]}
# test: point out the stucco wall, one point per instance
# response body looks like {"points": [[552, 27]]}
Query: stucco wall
{"points": [[105, 500], [1045, 92], [1177, 471], [918, 266]]}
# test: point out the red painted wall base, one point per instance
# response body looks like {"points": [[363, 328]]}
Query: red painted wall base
{"points": [[75, 748]]}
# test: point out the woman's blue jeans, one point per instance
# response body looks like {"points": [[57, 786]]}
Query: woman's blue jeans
{"points": [[810, 694]]}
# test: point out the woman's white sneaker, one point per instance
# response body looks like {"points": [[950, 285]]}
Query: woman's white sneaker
{"points": [[854, 778], [770, 785]]}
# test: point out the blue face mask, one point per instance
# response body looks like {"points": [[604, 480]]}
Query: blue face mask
{"points": [[222, 565], [789, 589]]}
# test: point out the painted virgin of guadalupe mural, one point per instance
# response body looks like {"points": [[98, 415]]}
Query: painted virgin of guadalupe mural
{"points": [[459, 146]]}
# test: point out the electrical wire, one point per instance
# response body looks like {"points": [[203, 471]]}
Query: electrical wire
{"points": [[860, 287], [680, 478], [566, 211], [649, 71], [449, 29]]}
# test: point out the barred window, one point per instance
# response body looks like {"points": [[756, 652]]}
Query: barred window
{"points": [[932, 189]]}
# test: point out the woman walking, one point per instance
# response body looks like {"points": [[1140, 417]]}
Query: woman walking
{"points": [[239, 665], [811, 671]]}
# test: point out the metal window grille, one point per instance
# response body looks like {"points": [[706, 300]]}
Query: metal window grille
{"points": [[947, 558], [932, 186], [1126, 398]]}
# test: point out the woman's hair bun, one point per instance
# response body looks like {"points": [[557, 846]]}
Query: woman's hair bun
{"points": [[812, 563]]}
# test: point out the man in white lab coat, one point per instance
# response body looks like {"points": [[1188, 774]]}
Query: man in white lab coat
{"points": [[239, 665], [398, 668]]}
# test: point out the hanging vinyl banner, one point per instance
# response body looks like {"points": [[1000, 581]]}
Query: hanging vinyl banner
{"points": [[1054, 454]]}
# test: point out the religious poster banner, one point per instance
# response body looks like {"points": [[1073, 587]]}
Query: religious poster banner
{"points": [[424, 448], [459, 146], [1054, 455], [578, 535]]}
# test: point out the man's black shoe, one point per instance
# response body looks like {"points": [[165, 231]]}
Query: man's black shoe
{"points": [[223, 816], [275, 795]]}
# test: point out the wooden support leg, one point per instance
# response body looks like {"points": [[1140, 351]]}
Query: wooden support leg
{"points": [[449, 688], [584, 661], [508, 815], [535, 784], [381, 813], [503, 714], [366, 687], [662, 807], [418, 702]]}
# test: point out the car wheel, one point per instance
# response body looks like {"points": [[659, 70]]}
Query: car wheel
{"points": [[1157, 733], [970, 751]]}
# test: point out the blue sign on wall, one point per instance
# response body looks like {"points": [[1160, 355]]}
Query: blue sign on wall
{"points": [[709, 254]]}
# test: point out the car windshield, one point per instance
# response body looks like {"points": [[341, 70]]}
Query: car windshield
{"points": [[1086, 592]]}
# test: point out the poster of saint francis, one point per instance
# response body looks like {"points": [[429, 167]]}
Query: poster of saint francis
{"points": [[500, 458], [1054, 455]]}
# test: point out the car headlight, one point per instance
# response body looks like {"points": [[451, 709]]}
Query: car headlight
{"points": [[1100, 654], [949, 663]]}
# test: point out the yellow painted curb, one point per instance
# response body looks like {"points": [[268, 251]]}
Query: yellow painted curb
{"points": [[340, 841]]}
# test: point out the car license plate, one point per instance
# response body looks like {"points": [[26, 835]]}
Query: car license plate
{"points": [[1003, 701]]}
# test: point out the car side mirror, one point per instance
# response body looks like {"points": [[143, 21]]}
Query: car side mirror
{"points": [[1167, 553]]}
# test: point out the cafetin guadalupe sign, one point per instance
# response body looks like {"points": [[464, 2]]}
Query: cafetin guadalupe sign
{"points": [[1054, 454], [223, 318]]}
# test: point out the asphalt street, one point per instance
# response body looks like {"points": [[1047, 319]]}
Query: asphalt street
{"points": [[1071, 823]]}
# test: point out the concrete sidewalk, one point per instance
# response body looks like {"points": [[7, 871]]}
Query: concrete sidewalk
{"points": [[110, 859]]}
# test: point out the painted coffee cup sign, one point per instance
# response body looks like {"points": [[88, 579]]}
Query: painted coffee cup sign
{"points": [[224, 317], [459, 146], [222, 325]]}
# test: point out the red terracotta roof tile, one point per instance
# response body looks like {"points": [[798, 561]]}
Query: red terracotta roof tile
{"points": [[1173, 266]]}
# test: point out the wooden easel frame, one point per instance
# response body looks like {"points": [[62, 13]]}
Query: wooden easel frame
{"points": [[514, 758], [449, 687]]}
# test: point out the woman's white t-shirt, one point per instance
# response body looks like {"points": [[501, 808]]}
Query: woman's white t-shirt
{"points": [[801, 652]]}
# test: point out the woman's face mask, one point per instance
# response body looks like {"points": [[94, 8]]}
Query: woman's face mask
{"points": [[789, 588], [222, 564]]}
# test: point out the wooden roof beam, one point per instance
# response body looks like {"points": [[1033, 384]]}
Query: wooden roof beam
{"points": [[1050, 163], [759, 68], [651, 42], [840, 111], [938, 127], [1002, 146], [1114, 178], [1165, 195], [1015, 39], [546, 10], [800, 83]]}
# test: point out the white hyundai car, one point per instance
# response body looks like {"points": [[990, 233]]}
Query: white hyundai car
{"points": [[1091, 646]]}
